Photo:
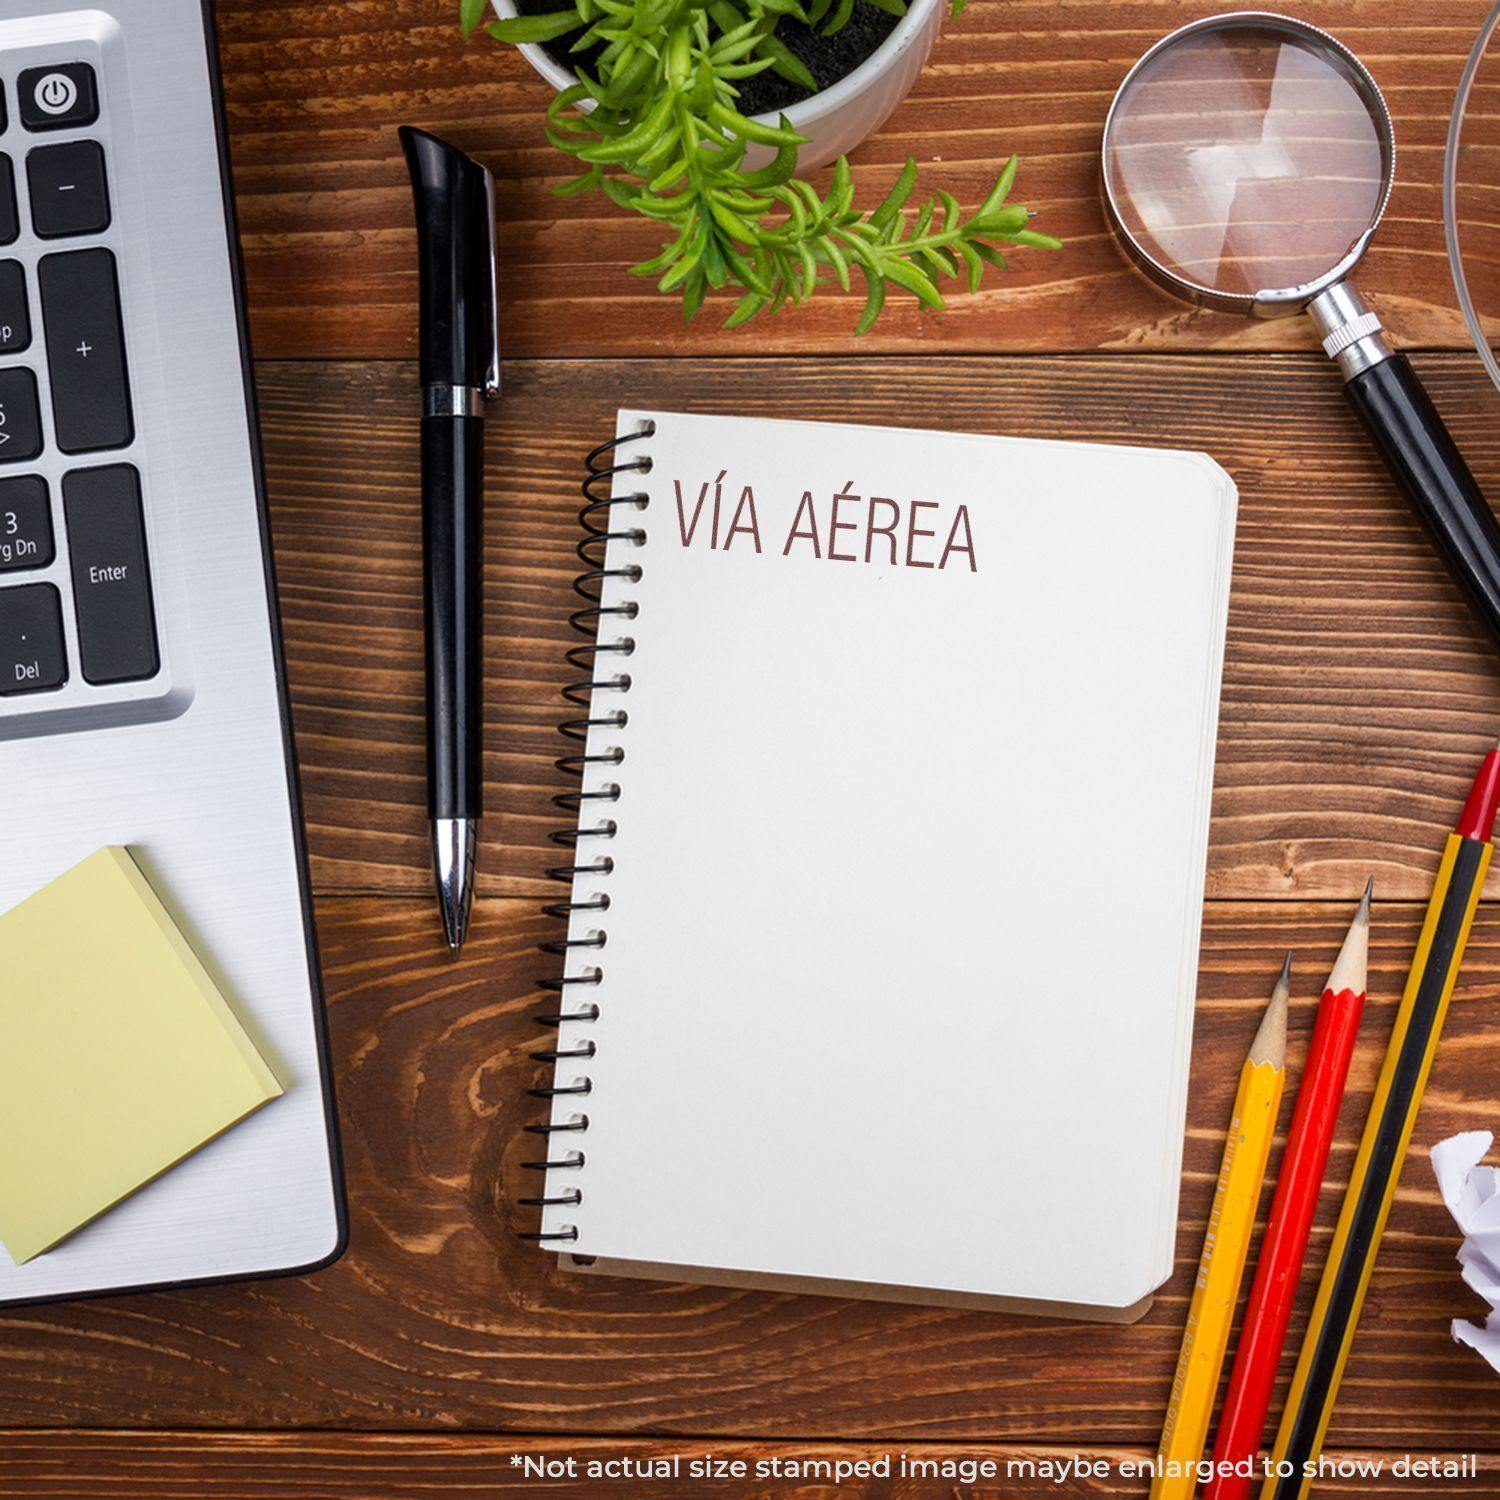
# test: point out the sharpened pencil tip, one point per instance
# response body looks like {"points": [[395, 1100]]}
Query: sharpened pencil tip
{"points": [[1269, 1045], [1351, 967]]}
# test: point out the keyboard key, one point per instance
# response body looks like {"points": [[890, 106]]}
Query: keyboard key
{"points": [[15, 311], [20, 417], [10, 215], [69, 194], [111, 576], [32, 655], [58, 96], [86, 351], [4, 114], [25, 524]]}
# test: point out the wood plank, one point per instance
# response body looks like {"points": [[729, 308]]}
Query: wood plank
{"points": [[439, 1317], [1358, 695], [399, 1466], [315, 93]]}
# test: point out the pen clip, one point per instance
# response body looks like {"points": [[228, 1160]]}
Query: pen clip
{"points": [[492, 374]]}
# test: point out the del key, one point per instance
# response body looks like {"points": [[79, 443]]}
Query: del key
{"points": [[86, 351]]}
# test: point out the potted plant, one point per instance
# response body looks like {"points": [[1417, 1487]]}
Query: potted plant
{"points": [[695, 113]]}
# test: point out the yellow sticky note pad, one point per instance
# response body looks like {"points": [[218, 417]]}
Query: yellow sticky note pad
{"points": [[118, 1054]]}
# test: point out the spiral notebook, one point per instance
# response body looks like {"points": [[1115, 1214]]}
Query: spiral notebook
{"points": [[889, 863]]}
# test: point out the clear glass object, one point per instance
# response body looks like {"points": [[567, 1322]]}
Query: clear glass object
{"points": [[1471, 194], [1247, 156]]}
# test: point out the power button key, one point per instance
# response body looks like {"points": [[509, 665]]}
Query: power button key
{"points": [[59, 96]]}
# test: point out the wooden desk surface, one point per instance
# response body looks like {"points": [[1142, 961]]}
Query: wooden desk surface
{"points": [[1357, 699]]}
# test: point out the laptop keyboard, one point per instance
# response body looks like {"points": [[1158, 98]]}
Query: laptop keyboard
{"points": [[76, 599]]}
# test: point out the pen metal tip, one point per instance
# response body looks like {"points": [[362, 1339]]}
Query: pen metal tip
{"points": [[454, 844]]}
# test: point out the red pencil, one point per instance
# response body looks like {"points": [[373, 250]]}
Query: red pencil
{"points": [[1292, 1208]]}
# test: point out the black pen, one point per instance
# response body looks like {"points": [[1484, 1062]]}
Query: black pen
{"points": [[460, 358]]}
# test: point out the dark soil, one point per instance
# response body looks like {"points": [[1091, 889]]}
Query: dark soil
{"points": [[827, 58]]}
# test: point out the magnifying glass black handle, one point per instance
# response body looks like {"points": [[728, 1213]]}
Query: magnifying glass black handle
{"points": [[1426, 463]]}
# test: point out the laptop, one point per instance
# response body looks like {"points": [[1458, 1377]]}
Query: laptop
{"points": [[142, 690]]}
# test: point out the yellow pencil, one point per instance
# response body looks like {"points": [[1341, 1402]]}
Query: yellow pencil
{"points": [[1225, 1248]]}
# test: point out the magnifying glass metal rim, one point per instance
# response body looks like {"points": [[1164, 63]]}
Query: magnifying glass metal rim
{"points": [[1271, 302]]}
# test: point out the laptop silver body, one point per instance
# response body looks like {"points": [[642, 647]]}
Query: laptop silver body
{"points": [[190, 765]]}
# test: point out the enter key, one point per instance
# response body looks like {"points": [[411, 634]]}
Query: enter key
{"points": [[111, 574]]}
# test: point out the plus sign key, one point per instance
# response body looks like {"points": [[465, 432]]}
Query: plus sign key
{"points": [[86, 351], [58, 96], [33, 658]]}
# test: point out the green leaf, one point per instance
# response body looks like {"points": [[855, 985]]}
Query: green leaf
{"points": [[895, 200], [1037, 241], [797, 215], [470, 14], [566, 99], [777, 171], [745, 309], [941, 261], [636, 140], [754, 204], [658, 151], [619, 192], [904, 274], [809, 270], [840, 190], [752, 130], [873, 304], [810, 197], [970, 257], [576, 185], [840, 265], [746, 70], [786, 62], [669, 176], [841, 15], [668, 255], [541, 28], [1007, 220], [1001, 190], [681, 271], [744, 269], [713, 262], [732, 224]]}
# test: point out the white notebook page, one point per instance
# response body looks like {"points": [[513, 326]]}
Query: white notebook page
{"points": [[908, 870]]}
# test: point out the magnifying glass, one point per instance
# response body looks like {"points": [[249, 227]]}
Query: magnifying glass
{"points": [[1247, 161]]}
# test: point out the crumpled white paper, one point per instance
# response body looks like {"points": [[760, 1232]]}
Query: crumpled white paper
{"points": [[1472, 1193]]}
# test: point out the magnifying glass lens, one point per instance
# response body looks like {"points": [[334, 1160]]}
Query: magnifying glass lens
{"points": [[1246, 159]]}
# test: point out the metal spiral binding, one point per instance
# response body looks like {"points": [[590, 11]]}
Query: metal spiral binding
{"points": [[596, 518]]}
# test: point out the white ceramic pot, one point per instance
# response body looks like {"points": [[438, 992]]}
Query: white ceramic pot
{"points": [[838, 119]]}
